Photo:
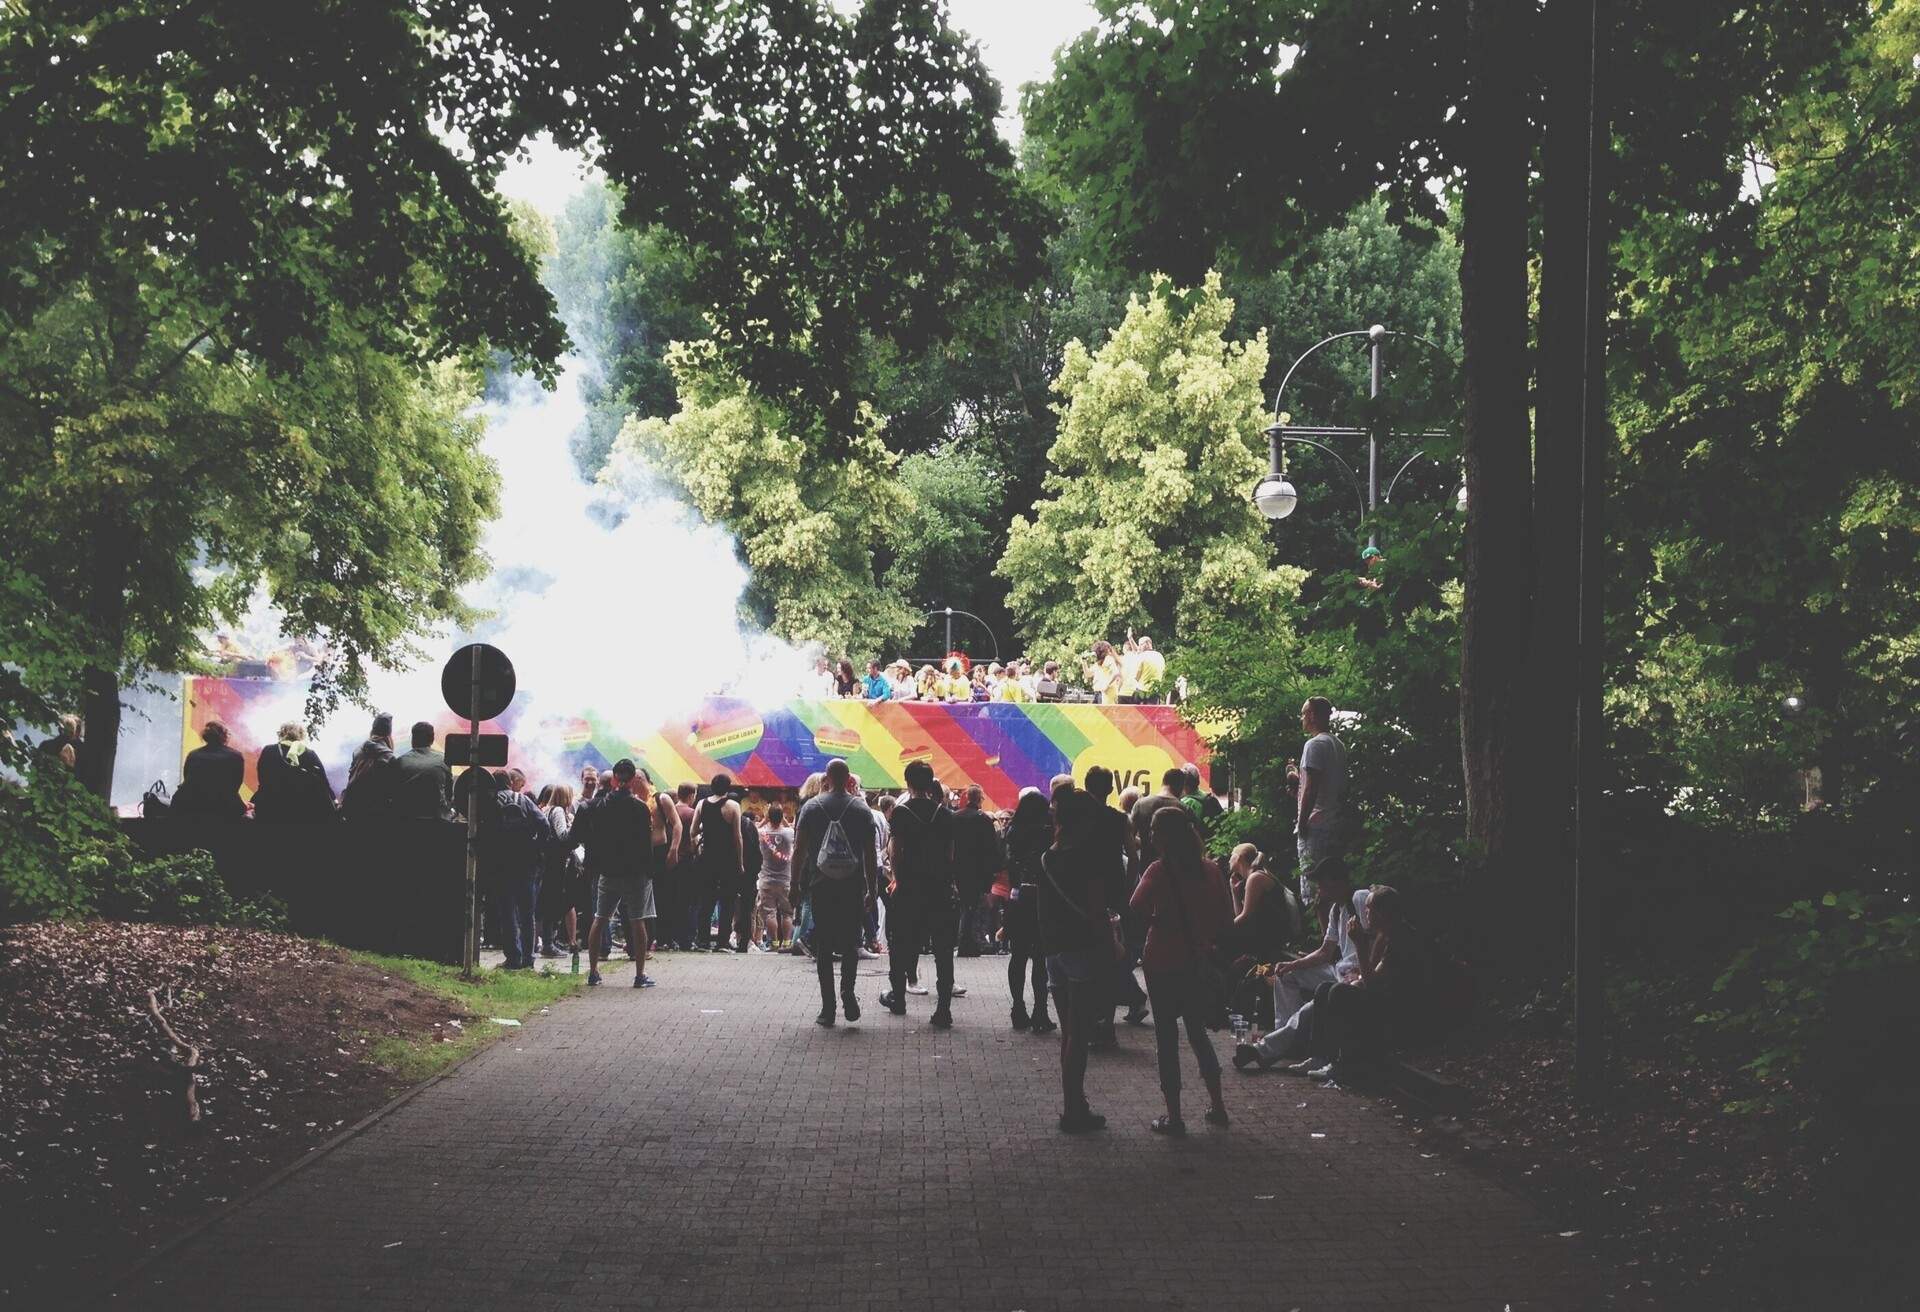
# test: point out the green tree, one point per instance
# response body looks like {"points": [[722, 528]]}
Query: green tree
{"points": [[1148, 486], [625, 296], [942, 552], [808, 524]]}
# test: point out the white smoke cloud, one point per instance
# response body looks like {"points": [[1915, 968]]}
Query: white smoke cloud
{"points": [[615, 601]]}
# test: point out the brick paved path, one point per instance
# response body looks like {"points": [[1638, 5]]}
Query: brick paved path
{"points": [[704, 1144]]}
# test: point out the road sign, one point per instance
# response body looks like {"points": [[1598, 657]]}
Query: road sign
{"points": [[492, 749], [495, 682]]}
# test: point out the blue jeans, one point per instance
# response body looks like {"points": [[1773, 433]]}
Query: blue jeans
{"points": [[514, 908]]}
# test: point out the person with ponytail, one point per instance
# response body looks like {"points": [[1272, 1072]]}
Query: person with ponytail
{"points": [[1185, 902]]}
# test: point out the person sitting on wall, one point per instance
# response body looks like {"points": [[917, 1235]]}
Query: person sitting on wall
{"points": [[294, 788], [210, 778]]}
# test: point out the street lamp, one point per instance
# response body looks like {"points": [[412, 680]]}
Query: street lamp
{"points": [[1277, 498], [949, 612]]}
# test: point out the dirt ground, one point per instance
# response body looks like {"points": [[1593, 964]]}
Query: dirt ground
{"points": [[99, 1155]]}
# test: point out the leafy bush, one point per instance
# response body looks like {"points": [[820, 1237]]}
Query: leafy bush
{"points": [[61, 855], [54, 837], [179, 890], [1844, 967]]}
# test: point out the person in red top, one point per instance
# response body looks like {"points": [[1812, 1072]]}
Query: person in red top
{"points": [[1186, 905]]}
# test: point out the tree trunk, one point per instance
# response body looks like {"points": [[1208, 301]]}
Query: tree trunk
{"points": [[106, 607], [1538, 841], [1497, 557]]}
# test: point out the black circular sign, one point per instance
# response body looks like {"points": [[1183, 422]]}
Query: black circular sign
{"points": [[496, 682]]}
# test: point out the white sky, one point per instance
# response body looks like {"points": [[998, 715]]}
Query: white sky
{"points": [[1017, 40]]}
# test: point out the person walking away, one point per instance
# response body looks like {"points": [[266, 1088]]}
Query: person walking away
{"points": [[1186, 905], [977, 859], [516, 835], [924, 902], [620, 852], [1078, 939], [1028, 837], [1320, 786], [773, 907], [1295, 982], [718, 862], [423, 783], [210, 778], [835, 870], [293, 787], [1172, 784]]}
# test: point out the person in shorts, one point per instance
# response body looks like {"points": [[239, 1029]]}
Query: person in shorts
{"points": [[773, 909], [619, 844]]}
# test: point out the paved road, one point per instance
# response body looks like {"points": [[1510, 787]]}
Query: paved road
{"points": [[704, 1144]]}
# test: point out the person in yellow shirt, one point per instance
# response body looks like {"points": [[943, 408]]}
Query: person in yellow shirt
{"points": [[956, 686], [1146, 669], [1104, 674]]}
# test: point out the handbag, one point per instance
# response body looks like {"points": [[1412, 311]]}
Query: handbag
{"points": [[154, 804]]}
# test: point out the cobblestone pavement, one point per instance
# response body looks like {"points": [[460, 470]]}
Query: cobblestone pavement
{"points": [[704, 1144]]}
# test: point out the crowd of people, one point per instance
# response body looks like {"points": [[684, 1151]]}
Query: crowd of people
{"points": [[1132, 674], [1083, 891]]}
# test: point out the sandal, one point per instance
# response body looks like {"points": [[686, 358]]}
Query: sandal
{"points": [[1167, 1125]]}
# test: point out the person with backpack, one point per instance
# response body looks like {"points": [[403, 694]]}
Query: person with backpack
{"points": [[835, 868], [618, 833], [516, 834], [1028, 837], [719, 865], [924, 904], [1185, 903], [1077, 932]]}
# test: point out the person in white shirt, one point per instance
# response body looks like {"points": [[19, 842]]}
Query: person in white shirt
{"points": [[1294, 981]]}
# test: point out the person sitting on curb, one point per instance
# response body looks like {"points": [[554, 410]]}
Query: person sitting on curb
{"points": [[1295, 982]]}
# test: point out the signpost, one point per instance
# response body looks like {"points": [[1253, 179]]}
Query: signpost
{"points": [[478, 683]]}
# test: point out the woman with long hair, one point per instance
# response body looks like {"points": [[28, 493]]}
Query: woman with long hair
{"points": [[845, 682], [1103, 674], [1187, 907], [1079, 940], [1029, 834], [562, 887]]}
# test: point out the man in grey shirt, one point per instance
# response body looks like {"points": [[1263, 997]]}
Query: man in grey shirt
{"points": [[1320, 785], [425, 787]]}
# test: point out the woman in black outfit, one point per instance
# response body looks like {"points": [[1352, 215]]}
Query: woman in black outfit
{"points": [[1028, 837]]}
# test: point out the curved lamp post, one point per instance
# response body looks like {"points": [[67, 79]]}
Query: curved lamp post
{"points": [[1277, 498], [950, 612]]}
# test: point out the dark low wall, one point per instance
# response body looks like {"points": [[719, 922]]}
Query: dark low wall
{"points": [[381, 886]]}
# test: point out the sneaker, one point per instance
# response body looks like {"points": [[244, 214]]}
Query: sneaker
{"points": [[958, 992], [918, 990], [1246, 1057], [1043, 1025], [825, 1019], [593, 977], [866, 955], [1082, 1121], [644, 981], [1021, 1021], [758, 947], [942, 1019], [894, 1003], [1137, 1015], [550, 951], [851, 1006], [1322, 1074], [1307, 1067], [722, 948]]}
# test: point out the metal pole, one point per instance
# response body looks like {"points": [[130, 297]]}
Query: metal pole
{"points": [[949, 630], [470, 952], [1373, 443]]}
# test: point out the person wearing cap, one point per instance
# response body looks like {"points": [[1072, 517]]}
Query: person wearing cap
{"points": [[1295, 982]]}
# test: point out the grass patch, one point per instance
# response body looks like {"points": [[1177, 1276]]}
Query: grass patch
{"points": [[512, 995]]}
